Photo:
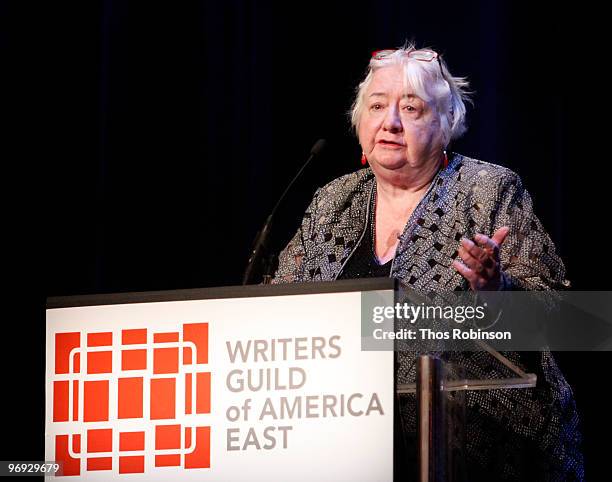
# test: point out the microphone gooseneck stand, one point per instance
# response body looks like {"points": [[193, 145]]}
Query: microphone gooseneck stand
{"points": [[260, 244]]}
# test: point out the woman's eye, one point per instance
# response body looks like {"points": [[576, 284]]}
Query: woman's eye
{"points": [[410, 108], [376, 106]]}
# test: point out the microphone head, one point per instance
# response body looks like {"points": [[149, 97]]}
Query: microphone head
{"points": [[318, 147]]}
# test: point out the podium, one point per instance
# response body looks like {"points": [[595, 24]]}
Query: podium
{"points": [[241, 383]]}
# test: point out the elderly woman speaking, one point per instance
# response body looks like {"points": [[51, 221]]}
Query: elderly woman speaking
{"points": [[441, 221]]}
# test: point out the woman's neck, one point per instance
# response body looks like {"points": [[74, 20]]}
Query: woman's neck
{"points": [[397, 186]]}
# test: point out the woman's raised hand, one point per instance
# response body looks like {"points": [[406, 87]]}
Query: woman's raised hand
{"points": [[481, 263]]}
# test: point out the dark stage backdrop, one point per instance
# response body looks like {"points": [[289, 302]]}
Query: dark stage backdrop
{"points": [[158, 136]]}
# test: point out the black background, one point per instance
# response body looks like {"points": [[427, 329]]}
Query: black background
{"points": [[148, 141]]}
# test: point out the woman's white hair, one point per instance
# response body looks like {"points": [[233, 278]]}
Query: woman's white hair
{"points": [[429, 80]]}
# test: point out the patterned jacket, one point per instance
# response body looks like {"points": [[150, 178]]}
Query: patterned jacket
{"points": [[466, 198], [519, 434]]}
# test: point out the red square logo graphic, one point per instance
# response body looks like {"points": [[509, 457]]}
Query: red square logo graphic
{"points": [[166, 337], [199, 457], [71, 465], [96, 401], [130, 397], [134, 359], [105, 411], [61, 400], [163, 398], [100, 362], [165, 360], [100, 463], [100, 440], [134, 337], [133, 464], [65, 344], [99, 339], [167, 437], [196, 333], [130, 441]]}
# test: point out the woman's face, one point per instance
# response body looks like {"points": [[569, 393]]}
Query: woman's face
{"points": [[397, 130]]}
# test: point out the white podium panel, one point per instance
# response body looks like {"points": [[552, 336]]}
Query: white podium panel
{"points": [[245, 388]]}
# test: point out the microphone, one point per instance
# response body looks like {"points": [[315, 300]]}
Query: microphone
{"points": [[260, 243]]}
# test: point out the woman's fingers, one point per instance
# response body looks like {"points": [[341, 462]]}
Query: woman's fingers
{"points": [[476, 281], [493, 243], [471, 248], [500, 235], [467, 273], [470, 260], [476, 258], [480, 264], [487, 244]]}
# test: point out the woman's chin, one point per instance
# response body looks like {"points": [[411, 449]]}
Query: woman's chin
{"points": [[391, 164]]}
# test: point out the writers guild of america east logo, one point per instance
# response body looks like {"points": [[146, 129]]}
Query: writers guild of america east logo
{"points": [[132, 400]]}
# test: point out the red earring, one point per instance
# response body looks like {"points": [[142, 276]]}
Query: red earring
{"points": [[364, 160]]}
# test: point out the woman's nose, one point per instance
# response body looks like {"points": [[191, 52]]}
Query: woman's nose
{"points": [[393, 123]]}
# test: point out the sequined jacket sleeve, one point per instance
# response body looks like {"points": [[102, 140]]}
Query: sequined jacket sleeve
{"points": [[528, 257], [290, 268]]}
